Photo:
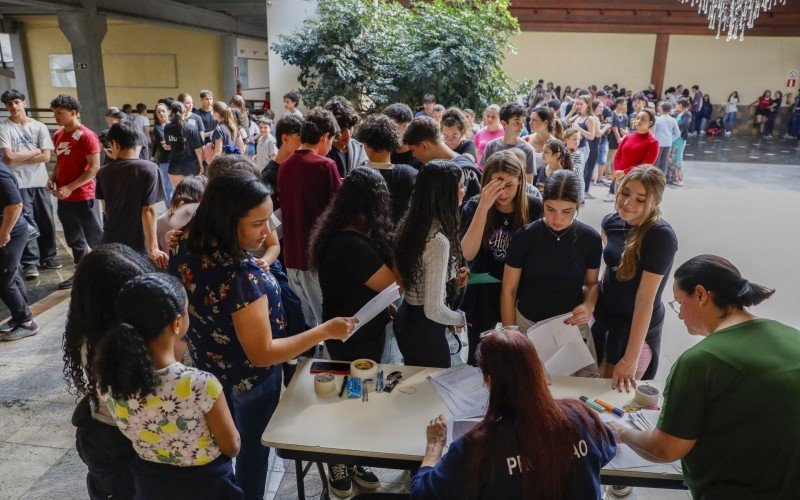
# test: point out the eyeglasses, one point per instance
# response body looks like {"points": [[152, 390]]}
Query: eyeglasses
{"points": [[675, 305]]}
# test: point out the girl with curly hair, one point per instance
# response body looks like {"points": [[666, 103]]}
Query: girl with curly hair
{"points": [[176, 417], [352, 250], [428, 259], [102, 447]]}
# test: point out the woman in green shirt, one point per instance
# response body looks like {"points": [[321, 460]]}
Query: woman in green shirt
{"points": [[732, 402]]}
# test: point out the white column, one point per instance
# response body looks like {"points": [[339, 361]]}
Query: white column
{"points": [[284, 16]]}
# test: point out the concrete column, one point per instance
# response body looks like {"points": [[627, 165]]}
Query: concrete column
{"points": [[85, 31], [20, 81], [229, 63], [284, 16]]}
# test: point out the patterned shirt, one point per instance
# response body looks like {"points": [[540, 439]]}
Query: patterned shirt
{"points": [[218, 286], [169, 426]]}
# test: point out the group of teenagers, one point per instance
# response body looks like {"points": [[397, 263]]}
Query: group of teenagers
{"points": [[364, 202], [767, 108]]}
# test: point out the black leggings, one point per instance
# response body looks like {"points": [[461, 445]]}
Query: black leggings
{"points": [[591, 162], [422, 342]]}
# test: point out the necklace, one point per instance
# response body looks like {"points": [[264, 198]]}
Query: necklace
{"points": [[555, 234]]}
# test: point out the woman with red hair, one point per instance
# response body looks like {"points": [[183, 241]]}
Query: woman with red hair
{"points": [[528, 444]]}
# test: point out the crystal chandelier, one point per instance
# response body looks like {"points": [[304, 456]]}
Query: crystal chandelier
{"points": [[732, 16]]}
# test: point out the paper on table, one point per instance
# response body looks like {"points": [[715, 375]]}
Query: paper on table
{"points": [[481, 279], [560, 346], [375, 306], [462, 389]]}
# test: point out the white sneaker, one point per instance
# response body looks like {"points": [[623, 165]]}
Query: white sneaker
{"points": [[702, 132], [610, 197]]}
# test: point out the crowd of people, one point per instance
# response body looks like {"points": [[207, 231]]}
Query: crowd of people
{"points": [[182, 327], [766, 109]]}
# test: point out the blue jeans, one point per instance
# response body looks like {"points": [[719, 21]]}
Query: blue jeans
{"points": [[677, 152], [602, 156], [164, 167], [794, 125], [729, 122], [251, 412], [250, 149]]}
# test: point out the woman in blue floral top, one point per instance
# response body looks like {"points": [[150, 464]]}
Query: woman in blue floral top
{"points": [[236, 312]]}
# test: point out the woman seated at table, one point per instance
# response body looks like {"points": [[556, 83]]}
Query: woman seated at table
{"points": [[553, 263], [732, 401], [237, 318], [528, 444]]}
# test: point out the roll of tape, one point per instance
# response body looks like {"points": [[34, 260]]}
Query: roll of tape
{"points": [[324, 383], [646, 395], [363, 369]]}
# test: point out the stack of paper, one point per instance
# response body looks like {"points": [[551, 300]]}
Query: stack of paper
{"points": [[626, 458], [462, 390], [375, 306], [560, 346]]}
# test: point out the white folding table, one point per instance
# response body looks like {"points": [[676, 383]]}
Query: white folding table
{"points": [[388, 431]]}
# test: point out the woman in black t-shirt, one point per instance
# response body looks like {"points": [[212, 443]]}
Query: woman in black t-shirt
{"points": [[488, 221], [160, 146], [351, 249], [640, 249], [553, 264], [226, 132], [185, 146]]}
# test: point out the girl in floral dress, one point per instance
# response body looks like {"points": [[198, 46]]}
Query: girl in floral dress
{"points": [[175, 416]]}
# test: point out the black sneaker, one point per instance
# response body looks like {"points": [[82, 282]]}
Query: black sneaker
{"points": [[366, 478], [339, 481], [66, 284], [30, 272], [50, 264]]}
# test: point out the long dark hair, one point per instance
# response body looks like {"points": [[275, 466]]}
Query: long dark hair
{"points": [[554, 126], [537, 421], [145, 306], [228, 198], [433, 204], [177, 109], [557, 147], [98, 279], [729, 290], [189, 190], [363, 202]]}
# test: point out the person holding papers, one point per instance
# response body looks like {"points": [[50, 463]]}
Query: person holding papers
{"points": [[237, 319], [488, 221], [731, 401], [528, 445], [640, 249], [351, 249], [553, 263], [428, 259]]}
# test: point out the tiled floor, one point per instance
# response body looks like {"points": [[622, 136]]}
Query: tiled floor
{"points": [[740, 211]]}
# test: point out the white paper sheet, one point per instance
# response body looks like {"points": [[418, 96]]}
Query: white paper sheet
{"points": [[375, 306], [560, 346], [276, 223], [462, 389]]}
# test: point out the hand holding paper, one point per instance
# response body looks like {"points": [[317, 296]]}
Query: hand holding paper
{"points": [[375, 306]]}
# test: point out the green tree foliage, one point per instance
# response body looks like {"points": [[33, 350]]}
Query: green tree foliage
{"points": [[378, 51]]}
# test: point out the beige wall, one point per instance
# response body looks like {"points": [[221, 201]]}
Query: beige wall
{"points": [[718, 67], [142, 62], [582, 59]]}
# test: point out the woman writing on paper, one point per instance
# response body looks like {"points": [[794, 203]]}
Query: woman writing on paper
{"points": [[488, 221], [528, 445], [731, 401], [553, 263], [351, 249], [639, 252]]}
